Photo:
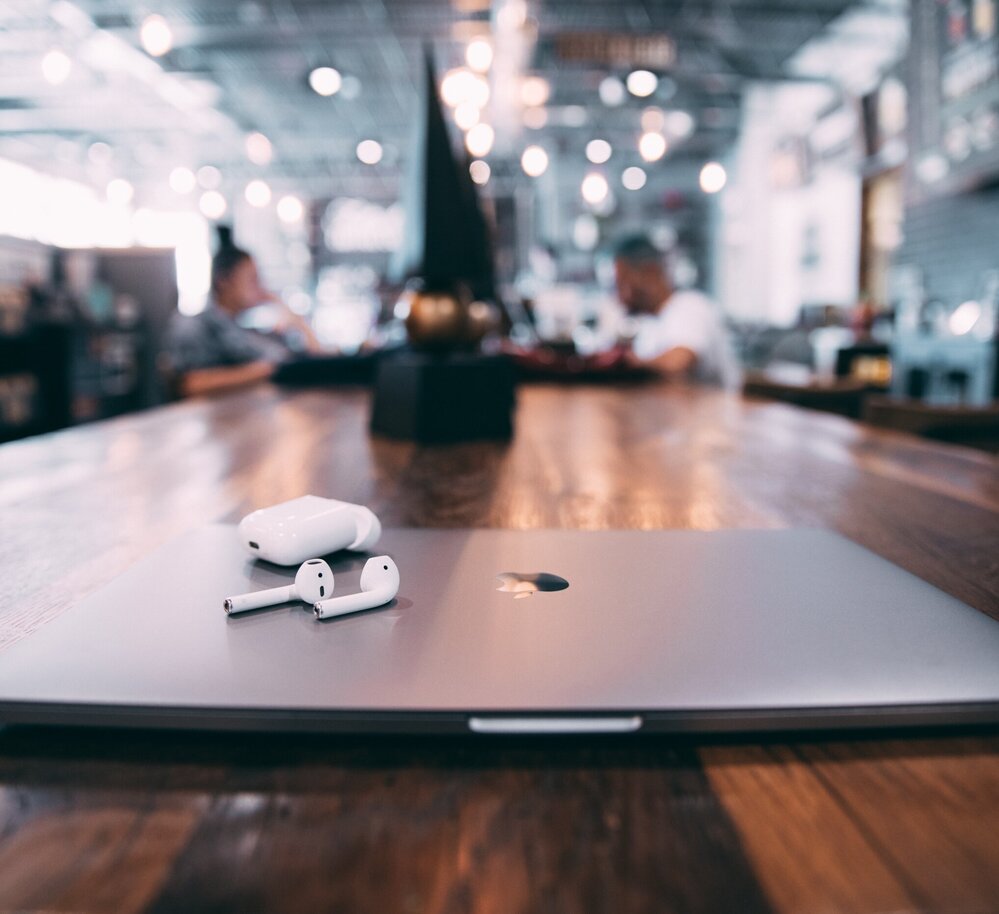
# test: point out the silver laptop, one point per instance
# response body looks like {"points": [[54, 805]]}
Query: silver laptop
{"points": [[656, 631]]}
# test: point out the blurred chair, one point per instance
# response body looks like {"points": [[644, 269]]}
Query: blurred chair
{"points": [[971, 426]]}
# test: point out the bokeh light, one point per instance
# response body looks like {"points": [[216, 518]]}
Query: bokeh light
{"points": [[633, 178], [713, 177], [652, 146], [642, 83], [325, 81], [594, 188], [258, 193], [155, 35], [534, 161]]}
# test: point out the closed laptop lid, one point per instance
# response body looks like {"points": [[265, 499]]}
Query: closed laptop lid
{"points": [[657, 630]]}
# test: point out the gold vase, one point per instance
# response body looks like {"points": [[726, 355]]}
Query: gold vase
{"points": [[436, 320]]}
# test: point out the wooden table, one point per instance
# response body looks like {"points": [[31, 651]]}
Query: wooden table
{"points": [[133, 821]]}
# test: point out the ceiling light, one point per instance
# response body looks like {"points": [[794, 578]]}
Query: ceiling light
{"points": [[212, 205], [466, 115], [534, 91], [713, 178], [633, 178], [155, 35], [325, 81], [369, 152], [290, 209], [612, 91], [652, 146], [535, 118], [642, 83], [120, 192], [479, 140], [479, 171], [479, 55], [209, 177], [56, 67], [258, 193], [453, 87], [653, 120], [598, 151], [462, 85], [594, 188], [258, 149], [680, 124], [534, 161], [182, 180]]}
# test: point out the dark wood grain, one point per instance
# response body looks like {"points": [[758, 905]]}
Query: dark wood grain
{"points": [[878, 825], [103, 821]]}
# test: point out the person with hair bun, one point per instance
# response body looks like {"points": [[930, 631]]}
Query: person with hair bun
{"points": [[212, 351]]}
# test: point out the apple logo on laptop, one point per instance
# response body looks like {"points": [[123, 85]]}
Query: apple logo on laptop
{"points": [[524, 585]]}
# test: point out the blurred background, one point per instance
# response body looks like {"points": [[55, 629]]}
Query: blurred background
{"points": [[827, 170]]}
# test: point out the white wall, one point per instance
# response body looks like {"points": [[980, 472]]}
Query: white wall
{"points": [[788, 234]]}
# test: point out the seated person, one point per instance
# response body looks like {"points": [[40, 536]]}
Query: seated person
{"points": [[680, 333], [211, 351]]}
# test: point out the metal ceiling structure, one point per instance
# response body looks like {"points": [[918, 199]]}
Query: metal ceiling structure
{"points": [[238, 66]]}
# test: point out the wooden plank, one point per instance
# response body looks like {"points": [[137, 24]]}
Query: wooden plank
{"points": [[809, 853], [73, 850], [867, 826], [947, 844], [312, 823]]}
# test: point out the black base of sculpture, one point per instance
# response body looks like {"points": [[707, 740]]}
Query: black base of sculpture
{"points": [[437, 399]]}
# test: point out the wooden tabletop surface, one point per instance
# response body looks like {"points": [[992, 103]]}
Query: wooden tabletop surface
{"points": [[138, 821]]}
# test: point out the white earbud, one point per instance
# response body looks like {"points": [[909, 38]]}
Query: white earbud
{"points": [[313, 581], [379, 585]]}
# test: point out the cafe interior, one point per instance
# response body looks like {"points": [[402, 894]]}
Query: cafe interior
{"points": [[824, 171], [679, 320]]}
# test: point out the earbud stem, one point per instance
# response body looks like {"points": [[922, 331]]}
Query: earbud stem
{"points": [[352, 603], [247, 601]]}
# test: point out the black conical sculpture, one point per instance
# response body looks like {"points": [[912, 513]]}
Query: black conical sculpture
{"points": [[442, 390], [446, 242]]}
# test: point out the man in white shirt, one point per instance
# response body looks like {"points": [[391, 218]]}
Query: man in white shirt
{"points": [[679, 331]]}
